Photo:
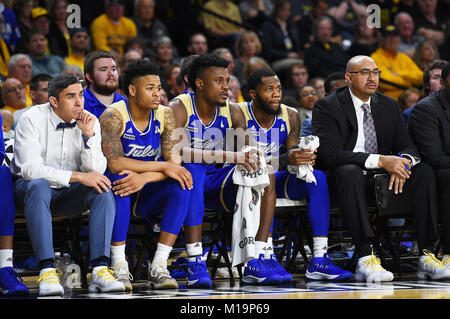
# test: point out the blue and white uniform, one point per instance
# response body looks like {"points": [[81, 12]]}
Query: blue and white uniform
{"points": [[154, 198], [272, 142]]}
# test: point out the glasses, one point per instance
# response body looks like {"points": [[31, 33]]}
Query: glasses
{"points": [[366, 73], [314, 93]]}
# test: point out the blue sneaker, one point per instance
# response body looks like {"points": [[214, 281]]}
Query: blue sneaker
{"points": [[277, 268], [322, 268], [11, 282], [197, 274], [179, 273], [259, 271]]}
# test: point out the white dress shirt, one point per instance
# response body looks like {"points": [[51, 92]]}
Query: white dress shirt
{"points": [[372, 160], [42, 151]]}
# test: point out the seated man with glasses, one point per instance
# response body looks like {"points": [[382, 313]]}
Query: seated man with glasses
{"points": [[13, 94], [362, 133]]}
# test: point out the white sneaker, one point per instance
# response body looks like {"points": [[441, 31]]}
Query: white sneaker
{"points": [[102, 280], [49, 283], [122, 274], [429, 267], [159, 278], [369, 269], [446, 260]]}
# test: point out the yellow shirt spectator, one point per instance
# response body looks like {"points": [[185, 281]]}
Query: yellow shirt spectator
{"points": [[107, 35], [224, 8], [399, 69]]}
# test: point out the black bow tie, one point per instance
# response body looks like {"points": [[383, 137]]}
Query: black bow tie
{"points": [[66, 125]]}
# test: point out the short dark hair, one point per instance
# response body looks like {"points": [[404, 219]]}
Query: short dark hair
{"points": [[332, 77], [41, 77], [60, 83], [90, 58], [200, 64], [134, 70], [445, 71], [255, 78]]}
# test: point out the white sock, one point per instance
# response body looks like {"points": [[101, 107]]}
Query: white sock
{"points": [[193, 250], [161, 256], [260, 248], [269, 248], [6, 258], [117, 254], [320, 246]]}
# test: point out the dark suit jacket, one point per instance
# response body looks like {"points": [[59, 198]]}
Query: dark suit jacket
{"points": [[429, 126], [334, 122]]}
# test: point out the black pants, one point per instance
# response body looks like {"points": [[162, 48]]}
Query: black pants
{"points": [[443, 184], [351, 190]]}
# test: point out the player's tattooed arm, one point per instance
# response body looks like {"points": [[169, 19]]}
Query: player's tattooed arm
{"points": [[112, 125], [168, 139]]}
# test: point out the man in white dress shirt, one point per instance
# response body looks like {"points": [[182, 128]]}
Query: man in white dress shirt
{"points": [[58, 157]]}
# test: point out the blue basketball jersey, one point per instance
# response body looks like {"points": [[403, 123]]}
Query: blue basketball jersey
{"points": [[269, 141], [143, 146], [210, 136]]}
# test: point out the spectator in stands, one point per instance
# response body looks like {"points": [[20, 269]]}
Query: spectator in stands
{"points": [[280, 34], [319, 8], [19, 67], [38, 93], [164, 57], [248, 45], [198, 44], [431, 83], [255, 12], [324, 56], [346, 153], [10, 282], [13, 95], [345, 14], [319, 84], [223, 32], [252, 65], [136, 44], [41, 20], [7, 130], [426, 52], [102, 77], [365, 40], [74, 70], [59, 35], [184, 70], [234, 90], [409, 40], [4, 55], [396, 67], [226, 54], [428, 23], [112, 29], [171, 75], [10, 32], [39, 88], [40, 61], [306, 98], [444, 49], [296, 77], [333, 82], [429, 127], [22, 10], [128, 57], [149, 27], [408, 99], [55, 184], [79, 41]]}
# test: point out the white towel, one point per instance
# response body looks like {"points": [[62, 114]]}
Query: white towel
{"points": [[305, 172], [247, 210]]}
